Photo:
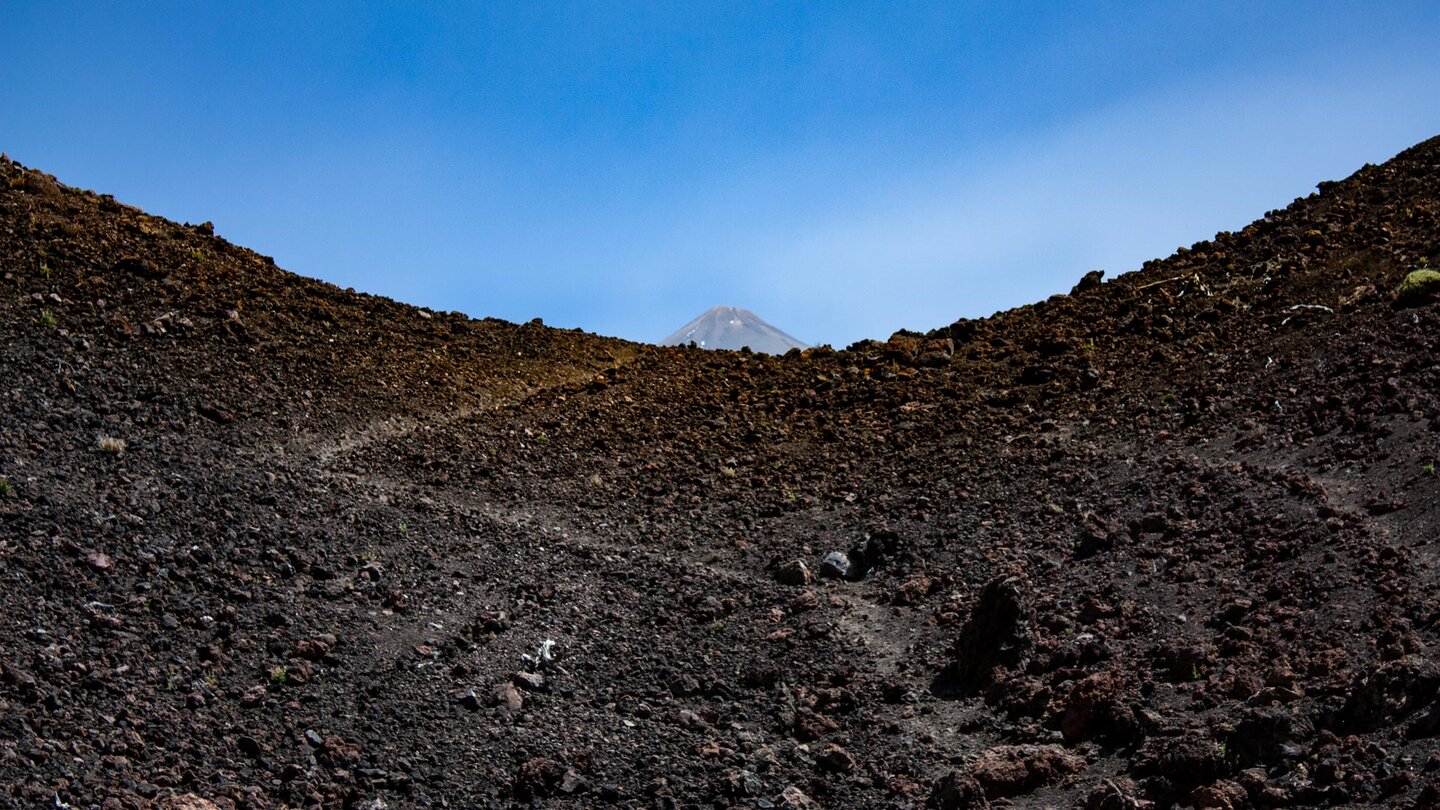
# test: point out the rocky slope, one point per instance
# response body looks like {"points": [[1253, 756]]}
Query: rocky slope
{"points": [[1166, 541]]}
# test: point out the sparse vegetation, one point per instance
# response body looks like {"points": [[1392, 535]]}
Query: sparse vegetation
{"points": [[1428, 469], [278, 675], [110, 444], [47, 317], [5, 488], [1420, 285]]}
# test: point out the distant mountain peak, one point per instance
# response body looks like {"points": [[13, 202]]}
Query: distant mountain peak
{"points": [[733, 328]]}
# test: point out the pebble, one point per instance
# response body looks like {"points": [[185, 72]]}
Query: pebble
{"points": [[804, 602], [186, 801], [467, 699], [250, 747], [835, 566], [834, 759], [795, 572], [572, 783], [795, 799], [507, 697]]}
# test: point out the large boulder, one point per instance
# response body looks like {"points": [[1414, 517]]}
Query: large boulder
{"points": [[998, 633]]}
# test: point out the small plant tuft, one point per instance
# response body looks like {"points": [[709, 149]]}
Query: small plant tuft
{"points": [[1421, 285], [110, 444], [47, 317], [5, 488], [1429, 469], [278, 675]]}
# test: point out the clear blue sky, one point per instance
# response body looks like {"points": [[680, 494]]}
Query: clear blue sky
{"points": [[843, 169]]}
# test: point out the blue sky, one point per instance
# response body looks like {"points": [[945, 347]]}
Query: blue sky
{"points": [[843, 169]]}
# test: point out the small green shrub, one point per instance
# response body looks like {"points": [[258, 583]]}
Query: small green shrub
{"points": [[1419, 286], [47, 317], [278, 675], [5, 488]]}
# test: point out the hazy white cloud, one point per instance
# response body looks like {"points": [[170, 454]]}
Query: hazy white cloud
{"points": [[833, 248], [996, 227]]}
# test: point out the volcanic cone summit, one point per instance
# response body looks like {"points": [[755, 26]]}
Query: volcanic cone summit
{"points": [[733, 328]]}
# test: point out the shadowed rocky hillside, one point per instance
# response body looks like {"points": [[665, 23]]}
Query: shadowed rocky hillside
{"points": [[1168, 540]]}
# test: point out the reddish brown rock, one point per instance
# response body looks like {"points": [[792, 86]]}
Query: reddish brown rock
{"points": [[795, 572], [1011, 770], [834, 759], [507, 697], [1222, 795], [1095, 707], [538, 777], [957, 791]]}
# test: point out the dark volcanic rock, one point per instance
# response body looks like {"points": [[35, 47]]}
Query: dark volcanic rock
{"points": [[538, 777], [996, 634], [1392, 691], [957, 791]]}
